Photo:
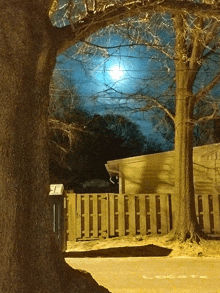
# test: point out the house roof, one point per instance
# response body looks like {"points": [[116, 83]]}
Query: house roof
{"points": [[210, 151]]}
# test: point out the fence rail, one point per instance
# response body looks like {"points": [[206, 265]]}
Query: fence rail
{"points": [[93, 216]]}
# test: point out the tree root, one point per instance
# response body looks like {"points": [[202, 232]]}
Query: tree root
{"points": [[186, 236]]}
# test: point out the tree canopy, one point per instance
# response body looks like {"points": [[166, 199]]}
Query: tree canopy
{"points": [[98, 140]]}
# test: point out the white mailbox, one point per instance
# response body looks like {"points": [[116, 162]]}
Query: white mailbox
{"points": [[56, 189]]}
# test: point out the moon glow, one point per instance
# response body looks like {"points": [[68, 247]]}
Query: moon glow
{"points": [[116, 72]]}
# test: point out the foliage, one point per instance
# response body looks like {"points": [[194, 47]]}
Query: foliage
{"points": [[100, 139]]}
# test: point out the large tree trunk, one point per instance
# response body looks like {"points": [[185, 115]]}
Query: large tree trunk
{"points": [[30, 263], [185, 225]]}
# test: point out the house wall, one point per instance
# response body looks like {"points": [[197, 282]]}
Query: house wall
{"points": [[155, 173], [149, 174]]}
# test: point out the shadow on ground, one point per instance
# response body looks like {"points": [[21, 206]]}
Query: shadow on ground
{"points": [[133, 251]]}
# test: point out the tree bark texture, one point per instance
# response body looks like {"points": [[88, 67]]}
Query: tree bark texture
{"points": [[30, 263], [186, 225], [186, 222]]}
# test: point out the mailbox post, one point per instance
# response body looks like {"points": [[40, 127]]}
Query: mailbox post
{"points": [[58, 206]]}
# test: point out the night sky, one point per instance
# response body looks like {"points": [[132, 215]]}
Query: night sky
{"points": [[106, 78], [142, 71], [112, 74], [89, 69]]}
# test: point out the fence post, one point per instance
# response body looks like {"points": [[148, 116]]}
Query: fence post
{"points": [[132, 214], [87, 219], [216, 211], [143, 214], [71, 215], [112, 214], [153, 214], [107, 216], [121, 214], [206, 214], [95, 216], [164, 210]]}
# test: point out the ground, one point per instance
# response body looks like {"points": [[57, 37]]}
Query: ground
{"points": [[208, 248]]}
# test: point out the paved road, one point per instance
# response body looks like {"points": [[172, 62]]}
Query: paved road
{"points": [[153, 274]]}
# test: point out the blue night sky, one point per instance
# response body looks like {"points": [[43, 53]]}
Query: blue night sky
{"points": [[90, 74], [102, 93], [144, 70]]}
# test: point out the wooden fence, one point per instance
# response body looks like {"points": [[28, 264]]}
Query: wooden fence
{"points": [[208, 213], [92, 216]]}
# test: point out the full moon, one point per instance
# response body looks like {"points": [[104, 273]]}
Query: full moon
{"points": [[116, 72]]}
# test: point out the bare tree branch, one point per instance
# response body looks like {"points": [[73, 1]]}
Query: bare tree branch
{"points": [[198, 46], [154, 103], [203, 92], [59, 147], [211, 33], [213, 116], [162, 107], [68, 130], [113, 13], [144, 43], [53, 8]]}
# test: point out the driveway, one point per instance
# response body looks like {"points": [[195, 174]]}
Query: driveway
{"points": [[152, 274]]}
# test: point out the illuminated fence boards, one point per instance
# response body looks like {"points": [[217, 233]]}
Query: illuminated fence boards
{"points": [[208, 213], [93, 216]]}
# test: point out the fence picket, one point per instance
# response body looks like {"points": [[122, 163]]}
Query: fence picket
{"points": [[132, 215], [103, 216], [87, 215], [143, 214], [79, 216], [197, 207], [95, 216], [164, 212], [121, 214], [206, 214], [72, 216], [107, 215], [153, 214], [112, 215], [216, 211]]}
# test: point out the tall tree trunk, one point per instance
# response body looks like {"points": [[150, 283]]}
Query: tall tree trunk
{"points": [[186, 225], [30, 262]]}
